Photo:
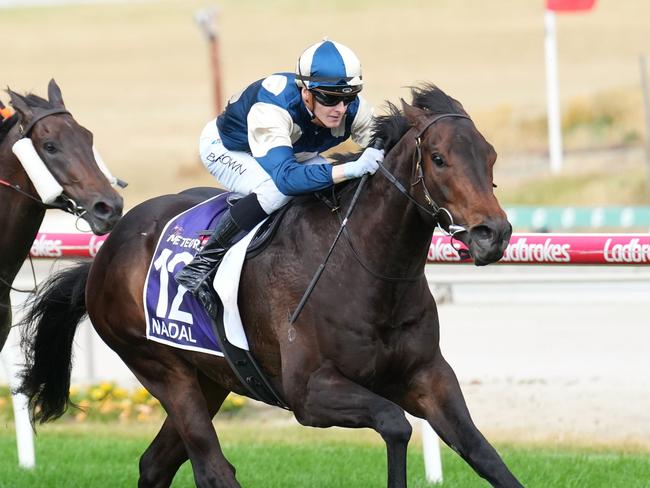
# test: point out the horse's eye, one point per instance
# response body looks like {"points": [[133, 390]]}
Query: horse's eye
{"points": [[49, 147], [437, 160]]}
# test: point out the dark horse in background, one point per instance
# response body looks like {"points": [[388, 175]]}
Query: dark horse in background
{"points": [[66, 148], [366, 346]]}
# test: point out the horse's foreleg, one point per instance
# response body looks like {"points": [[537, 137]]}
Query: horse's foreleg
{"points": [[330, 399], [436, 396], [176, 384], [166, 454]]}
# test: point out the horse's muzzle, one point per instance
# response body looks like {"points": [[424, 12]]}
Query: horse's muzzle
{"points": [[104, 214], [489, 240]]}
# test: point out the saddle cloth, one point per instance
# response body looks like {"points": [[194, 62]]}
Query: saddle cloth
{"points": [[174, 317]]}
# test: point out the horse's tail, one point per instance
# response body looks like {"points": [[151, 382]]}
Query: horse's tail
{"points": [[48, 331]]}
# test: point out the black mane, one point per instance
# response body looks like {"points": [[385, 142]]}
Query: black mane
{"points": [[35, 101], [431, 98], [391, 127]]}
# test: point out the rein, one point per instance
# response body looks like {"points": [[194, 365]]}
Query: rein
{"points": [[321, 268], [18, 290], [66, 204]]}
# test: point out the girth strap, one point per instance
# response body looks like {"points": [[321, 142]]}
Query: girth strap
{"points": [[242, 362]]}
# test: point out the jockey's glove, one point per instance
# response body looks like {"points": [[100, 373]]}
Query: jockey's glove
{"points": [[368, 162]]}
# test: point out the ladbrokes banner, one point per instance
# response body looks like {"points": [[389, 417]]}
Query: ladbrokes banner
{"points": [[559, 249], [523, 248]]}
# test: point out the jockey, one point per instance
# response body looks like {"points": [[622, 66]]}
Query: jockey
{"points": [[266, 144]]}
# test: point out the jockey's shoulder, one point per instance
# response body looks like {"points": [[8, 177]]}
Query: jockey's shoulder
{"points": [[280, 89]]}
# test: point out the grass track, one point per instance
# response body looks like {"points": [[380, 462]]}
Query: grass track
{"points": [[103, 455]]}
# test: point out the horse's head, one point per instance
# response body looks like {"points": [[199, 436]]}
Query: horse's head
{"points": [[66, 149], [457, 163]]}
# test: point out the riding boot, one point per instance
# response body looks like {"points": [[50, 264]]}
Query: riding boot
{"points": [[205, 262]]}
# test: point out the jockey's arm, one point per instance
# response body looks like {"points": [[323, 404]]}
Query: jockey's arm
{"points": [[269, 137]]}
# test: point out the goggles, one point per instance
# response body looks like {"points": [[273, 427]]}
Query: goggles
{"points": [[332, 99]]}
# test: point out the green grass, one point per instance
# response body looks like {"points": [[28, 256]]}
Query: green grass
{"points": [[270, 455]]}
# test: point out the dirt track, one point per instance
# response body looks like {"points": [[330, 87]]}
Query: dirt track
{"points": [[565, 364]]}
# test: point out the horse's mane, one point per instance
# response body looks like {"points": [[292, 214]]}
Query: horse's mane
{"points": [[391, 127], [35, 101], [31, 100]]}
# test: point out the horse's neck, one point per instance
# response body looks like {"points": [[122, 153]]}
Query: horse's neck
{"points": [[20, 217], [389, 221]]}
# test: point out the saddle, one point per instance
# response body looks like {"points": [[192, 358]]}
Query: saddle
{"points": [[182, 320], [264, 234]]}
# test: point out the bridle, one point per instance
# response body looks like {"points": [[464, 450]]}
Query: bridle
{"points": [[66, 203], [24, 131], [63, 202], [433, 210]]}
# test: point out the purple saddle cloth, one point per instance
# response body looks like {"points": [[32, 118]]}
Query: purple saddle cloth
{"points": [[174, 317]]}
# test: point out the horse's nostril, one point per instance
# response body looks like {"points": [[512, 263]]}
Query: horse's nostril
{"points": [[481, 233], [102, 209]]}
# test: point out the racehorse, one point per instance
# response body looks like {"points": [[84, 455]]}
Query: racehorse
{"points": [[66, 149], [365, 348]]}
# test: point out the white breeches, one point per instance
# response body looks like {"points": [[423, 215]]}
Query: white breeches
{"points": [[239, 172]]}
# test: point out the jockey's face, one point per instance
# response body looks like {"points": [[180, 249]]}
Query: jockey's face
{"points": [[329, 117]]}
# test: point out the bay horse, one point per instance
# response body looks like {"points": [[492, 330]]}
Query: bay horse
{"points": [[66, 148], [365, 348]]}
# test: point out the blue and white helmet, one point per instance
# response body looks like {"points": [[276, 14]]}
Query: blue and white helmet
{"points": [[329, 66]]}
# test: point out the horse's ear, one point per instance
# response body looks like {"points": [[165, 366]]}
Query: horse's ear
{"points": [[54, 94], [20, 105], [412, 114]]}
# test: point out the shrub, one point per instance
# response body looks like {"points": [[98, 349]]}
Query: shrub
{"points": [[107, 402]]}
